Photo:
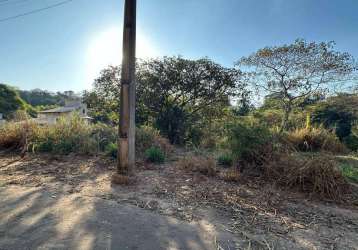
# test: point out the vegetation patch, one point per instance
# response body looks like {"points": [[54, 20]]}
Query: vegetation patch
{"points": [[314, 140], [154, 155], [315, 174], [200, 164], [112, 150], [349, 167], [225, 160]]}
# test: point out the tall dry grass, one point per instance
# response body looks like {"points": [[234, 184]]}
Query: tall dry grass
{"points": [[315, 174], [315, 139], [73, 135]]}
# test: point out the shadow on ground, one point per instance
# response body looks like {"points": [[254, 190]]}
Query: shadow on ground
{"points": [[34, 218]]}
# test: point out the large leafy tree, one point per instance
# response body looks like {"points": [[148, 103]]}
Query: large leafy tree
{"points": [[103, 100], [170, 90], [296, 71]]}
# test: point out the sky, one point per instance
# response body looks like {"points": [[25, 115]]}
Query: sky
{"points": [[65, 48]]}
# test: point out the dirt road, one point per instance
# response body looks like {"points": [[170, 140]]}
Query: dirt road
{"points": [[35, 218], [49, 202]]}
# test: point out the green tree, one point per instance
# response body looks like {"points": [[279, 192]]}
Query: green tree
{"points": [[169, 86], [296, 71], [338, 112], [10, 101]]}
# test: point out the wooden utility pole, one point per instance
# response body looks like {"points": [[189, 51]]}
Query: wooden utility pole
{"points": [[126, 143]]}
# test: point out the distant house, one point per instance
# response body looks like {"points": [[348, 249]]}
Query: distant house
{"points": [[51, 116]]}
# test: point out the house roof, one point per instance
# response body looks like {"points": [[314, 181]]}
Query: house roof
{"points": [[65, 109]]}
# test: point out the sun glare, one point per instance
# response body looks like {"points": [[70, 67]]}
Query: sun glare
{"points": [[106, 49]]}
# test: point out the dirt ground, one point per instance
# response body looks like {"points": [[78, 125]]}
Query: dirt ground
{"points": [[69, 202]]}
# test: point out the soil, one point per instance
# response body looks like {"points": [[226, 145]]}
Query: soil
{"points": [[68, 202]]}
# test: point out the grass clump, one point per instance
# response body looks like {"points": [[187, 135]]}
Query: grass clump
{"points": [[225, 160], [14, 135], [315, 174], [349, 167], [154, 155], [200, 164], [350, 172], [111, 150], [352, 142], [251, 144], [314, 140], [147, 137], [231, 175], [73, 135]]}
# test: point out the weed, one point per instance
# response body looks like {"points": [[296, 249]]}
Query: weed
{"points": [[154, 155], [225, 160]]}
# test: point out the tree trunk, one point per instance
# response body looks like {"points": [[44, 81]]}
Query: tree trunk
{"points": [[287, 111]]}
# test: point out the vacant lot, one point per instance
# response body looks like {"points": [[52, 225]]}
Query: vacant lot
{"points": [[68, 202]]}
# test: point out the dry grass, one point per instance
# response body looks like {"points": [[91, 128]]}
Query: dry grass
{"points": [[201, 164], [315, 139], [318, 175], [147, 137], [14, 135], [231, 175]]}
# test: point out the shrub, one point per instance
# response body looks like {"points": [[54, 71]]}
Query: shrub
{"points": [[13, 135], [352, 142], [147, 137], [350, 172], [201, 164], [225, 160], [250, 142], [104, 135], [111, 150], [154, 155], [66, 136], [314, 174], [74, 136], [315, 139]]}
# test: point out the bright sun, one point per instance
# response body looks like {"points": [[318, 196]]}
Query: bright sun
{"points": [[106, 49]]}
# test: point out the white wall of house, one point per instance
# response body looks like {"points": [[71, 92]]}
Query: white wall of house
{"points": [[52, 118]]}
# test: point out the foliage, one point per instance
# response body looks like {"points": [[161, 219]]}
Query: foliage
{"points": [[104, 135], [154, 155], [315, 139], [352, 142], [147, 137], [172, 93], [111, 150], [13, 135], [349, 167], [248, 141], [339, 113], [74, 136], [103, 100], [10, 101], [66, 136], [173, 123], [225, 160], [296, 71], [38, 97]]}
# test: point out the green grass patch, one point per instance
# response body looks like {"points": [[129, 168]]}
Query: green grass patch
{"points": [[349, 167]]}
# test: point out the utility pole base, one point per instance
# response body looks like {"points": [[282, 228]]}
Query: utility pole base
{"points": [[119, 179]]}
